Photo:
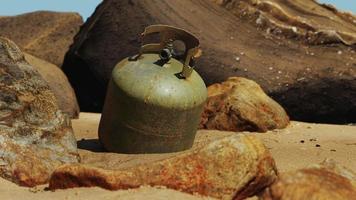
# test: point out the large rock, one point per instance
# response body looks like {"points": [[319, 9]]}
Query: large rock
{"points": [[58, 83], [238, 38], [234, 167], [239, 104], [294, 19], [35, 136], [327, 181], [45, 34]]}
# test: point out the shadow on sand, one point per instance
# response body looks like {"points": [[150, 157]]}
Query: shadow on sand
{"points": [[93, 145]]}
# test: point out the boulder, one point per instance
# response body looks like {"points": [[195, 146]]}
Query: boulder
{"points": [[294, 19], [326, 181], [233, 167], [294, 49], [35, 136], [239, 104], [44, 34], [58, 83]]}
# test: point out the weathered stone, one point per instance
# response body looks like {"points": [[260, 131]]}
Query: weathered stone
{"points": [[239, 104], [311, 60], [45, 34], [285, 18], [35, 136], [234, 167], [58, 83], [327, 181], [304, 78]]}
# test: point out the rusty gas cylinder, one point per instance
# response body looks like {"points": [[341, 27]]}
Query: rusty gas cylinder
{"points": [[154, 99]]}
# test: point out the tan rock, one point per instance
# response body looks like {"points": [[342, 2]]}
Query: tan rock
{"points": [[58, 83], [327, 181], [35, 136], [45, 34], [239, 104], [234, 167]]}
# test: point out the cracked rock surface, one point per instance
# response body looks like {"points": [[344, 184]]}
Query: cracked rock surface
{"points": [[35, 136]]}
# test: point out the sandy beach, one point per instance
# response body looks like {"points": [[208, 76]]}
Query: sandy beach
{"points": [[280, 71], [299, 145]]}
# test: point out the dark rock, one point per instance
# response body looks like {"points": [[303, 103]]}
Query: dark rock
{"points": [[312, 82], [44, 34], [35, 136], [239, 104], [234, 167]]}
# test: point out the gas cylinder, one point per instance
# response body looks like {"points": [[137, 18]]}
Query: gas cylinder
{"points": [[155, 98]]}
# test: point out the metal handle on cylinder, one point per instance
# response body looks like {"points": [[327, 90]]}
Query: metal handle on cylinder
{"points": [[167, 35]]}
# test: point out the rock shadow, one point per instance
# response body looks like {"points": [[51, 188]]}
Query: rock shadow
{"points": [[321, 100], [93, 145]]}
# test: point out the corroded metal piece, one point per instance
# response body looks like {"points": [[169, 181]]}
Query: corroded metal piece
{"points": [[153, 105]]}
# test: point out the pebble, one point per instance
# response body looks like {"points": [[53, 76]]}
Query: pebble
{"points": [[294, 29], [259, 21]]}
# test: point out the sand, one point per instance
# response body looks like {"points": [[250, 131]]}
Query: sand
{"points": [[299, 145]]}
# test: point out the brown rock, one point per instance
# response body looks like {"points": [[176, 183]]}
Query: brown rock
{"points": [[287, 19], [315, 63], [326, 181], [234, 167], [306, 79], [45, 34], [58, 83], [239, 104], [35, 136]]}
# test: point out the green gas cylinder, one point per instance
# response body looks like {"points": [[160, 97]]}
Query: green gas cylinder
{"points": [[154, 99]]}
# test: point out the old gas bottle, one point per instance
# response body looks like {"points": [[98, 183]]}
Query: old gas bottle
{"points": [[154, 99]]}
